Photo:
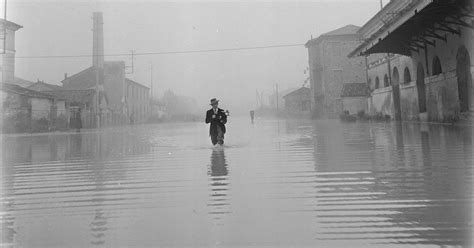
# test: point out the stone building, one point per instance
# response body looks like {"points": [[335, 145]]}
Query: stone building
{"points": [[298, 102], [419, 60], [330, 68], [7, 50]]}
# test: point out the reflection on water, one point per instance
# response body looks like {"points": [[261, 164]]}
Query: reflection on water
{"points": [[294, 183], [219, 183]]}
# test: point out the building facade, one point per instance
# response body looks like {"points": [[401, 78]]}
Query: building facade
{"points": [[330, 68], [420, 60], [137, 97], [26, 110], [121, 100]]}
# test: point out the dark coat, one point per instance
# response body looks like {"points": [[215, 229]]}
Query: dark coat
{"points": [[220, 120]]}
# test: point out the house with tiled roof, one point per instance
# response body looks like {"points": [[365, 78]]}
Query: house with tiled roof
{"points": [[24, 108], [298, 102]]}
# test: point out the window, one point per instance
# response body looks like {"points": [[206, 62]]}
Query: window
{"points": [[385, 81], [377, 82], [406, 76], [436, 66], [369, 83]]}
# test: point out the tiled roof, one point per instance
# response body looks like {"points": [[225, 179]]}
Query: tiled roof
{"points": [[131, 81], [348, 29], [354, 90], [21, 82], [11, 25], [42, 86], [301, 91], [81, 96], [84, 79], [15, 89]]}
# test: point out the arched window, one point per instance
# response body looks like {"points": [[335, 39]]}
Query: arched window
{"points": [[385, 81], [406, 76], [377, 82], [436, 66]]}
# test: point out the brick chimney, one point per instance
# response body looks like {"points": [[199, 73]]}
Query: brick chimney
{"points": [[98, 40]]}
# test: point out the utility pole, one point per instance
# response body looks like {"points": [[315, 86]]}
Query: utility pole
{"points": [[276, 87], [256, 98], [381, 4], [132, 52], [151, 80], [97, 72]]}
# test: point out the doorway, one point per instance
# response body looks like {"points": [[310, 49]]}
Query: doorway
{"points": [[463, 74]]}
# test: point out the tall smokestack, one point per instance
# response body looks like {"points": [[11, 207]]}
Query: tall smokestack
{"points": [[98, 40]]}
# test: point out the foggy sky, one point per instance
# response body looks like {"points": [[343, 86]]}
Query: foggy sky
{"points": [[64, 28]]}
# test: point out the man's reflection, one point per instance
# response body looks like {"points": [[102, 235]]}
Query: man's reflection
{"points": [[218, 163], [219, 184]]}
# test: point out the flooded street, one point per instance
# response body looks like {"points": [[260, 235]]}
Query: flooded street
{"points": [[274, 183]]}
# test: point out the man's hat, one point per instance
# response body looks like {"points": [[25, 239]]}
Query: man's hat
{"points": [[214, 101]]}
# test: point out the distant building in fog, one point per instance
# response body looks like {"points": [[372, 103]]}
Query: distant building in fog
{"points": [[298, 102], [137, 98], [120, 99], [330, 68], [281, 101], [120, 96], [7, 66]]}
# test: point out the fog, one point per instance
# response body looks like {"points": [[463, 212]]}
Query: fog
{"points": [[64, 28]]}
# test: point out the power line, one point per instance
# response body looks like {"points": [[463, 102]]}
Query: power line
{"points": [[159, 53]]}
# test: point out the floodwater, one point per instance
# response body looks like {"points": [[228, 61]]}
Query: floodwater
{"points": [[274, 183]]}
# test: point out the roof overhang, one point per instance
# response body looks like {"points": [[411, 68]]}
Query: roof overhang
{"points": [[10, 25], [414, 27]]}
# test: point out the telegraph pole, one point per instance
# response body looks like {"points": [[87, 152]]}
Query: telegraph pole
{"points": [[276, 86], [151, 80], [97, 71]]}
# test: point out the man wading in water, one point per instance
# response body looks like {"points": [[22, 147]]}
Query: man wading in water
{"points": [[218, 118]]}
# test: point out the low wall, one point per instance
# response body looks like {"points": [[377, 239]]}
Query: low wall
{"points": [[442, 98], [381, 101], [409, 101], [354, 104]]}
